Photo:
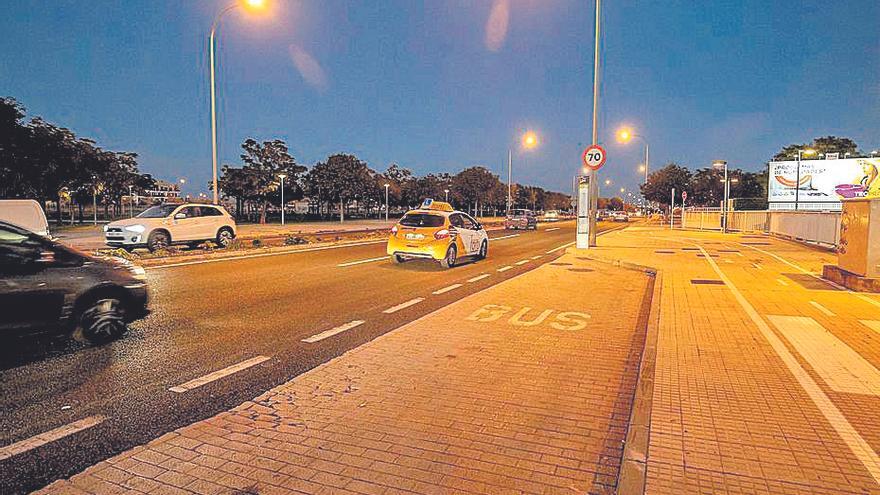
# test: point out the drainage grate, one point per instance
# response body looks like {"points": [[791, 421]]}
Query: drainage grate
{"points": [[581, 270], [690, 249], [561, 264], [728, 250], [704, 281], [664, 252]]}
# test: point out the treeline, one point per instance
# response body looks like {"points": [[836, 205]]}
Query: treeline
{"points": [[39, 160], [344, 184]]}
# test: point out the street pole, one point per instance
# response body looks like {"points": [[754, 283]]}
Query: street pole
{"points": [[672, 209], [446, 191], [797, 182], [386, 202], [726, 195], [130, 204], [594, 179], [509, 176], [211, 44], [95, 204], [646, 162], [282, 198]]}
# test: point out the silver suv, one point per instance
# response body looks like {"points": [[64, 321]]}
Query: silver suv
{"points": [[162, 225]]}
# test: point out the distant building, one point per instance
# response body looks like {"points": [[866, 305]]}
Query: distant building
{"points": [[164, 191]]}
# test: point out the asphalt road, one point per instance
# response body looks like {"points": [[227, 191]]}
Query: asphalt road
{"points": [[209, 316]]}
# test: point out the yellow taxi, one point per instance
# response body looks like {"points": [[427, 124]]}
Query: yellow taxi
{"points": [[438, 232]]}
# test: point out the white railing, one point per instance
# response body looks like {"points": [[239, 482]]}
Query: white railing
{"points": [[701, 218], [820, 227], [749, 221]]}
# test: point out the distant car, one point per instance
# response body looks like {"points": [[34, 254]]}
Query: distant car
{"points": [[521, 219], [49, 287], [438, 232], [163, 225], [26, 213], [551, 216], [619, 216]]}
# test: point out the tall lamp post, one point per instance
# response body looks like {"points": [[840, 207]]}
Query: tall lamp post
{"points": [[253, 4], [797, 186], [446, 191], [529, 141], [282, 176], [625, 136], [386, 201]]}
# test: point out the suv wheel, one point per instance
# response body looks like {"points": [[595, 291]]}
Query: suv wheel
{"points": [[158, 240], [224, 237], [449, 260], [103, 320]]}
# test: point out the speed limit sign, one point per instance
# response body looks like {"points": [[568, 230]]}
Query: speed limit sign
{"points": [[594, 157]]}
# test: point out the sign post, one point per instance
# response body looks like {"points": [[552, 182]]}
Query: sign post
{"points": [[672, 209], [593, 159]]}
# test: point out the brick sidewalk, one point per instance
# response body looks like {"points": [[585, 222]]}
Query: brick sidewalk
{"points": [[516, 389], [766, 378]]}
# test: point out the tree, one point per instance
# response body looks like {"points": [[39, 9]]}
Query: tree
{"points": [[264, 162], [472, 186], [823, 145], [429, 186], [660, 183], [341, 179]]}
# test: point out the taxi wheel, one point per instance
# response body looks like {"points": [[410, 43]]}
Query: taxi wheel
{"points": [[449, 260], [397, 259], [484, 250]]}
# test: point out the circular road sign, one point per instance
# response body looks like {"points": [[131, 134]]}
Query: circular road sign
{"points": [[594, 157], [684, 196]]}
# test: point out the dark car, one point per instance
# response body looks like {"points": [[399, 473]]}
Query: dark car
{"points": [[521, 219], [47, 287]]}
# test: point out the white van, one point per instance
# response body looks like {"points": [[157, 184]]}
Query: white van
{"points": [[25, 213]]}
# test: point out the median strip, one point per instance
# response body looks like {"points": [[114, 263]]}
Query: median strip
{"points": [[478, 278], [216, 375], [405, 305], [359, 262], [446, 289], [333, 331], [263, 255], [50, 436]]}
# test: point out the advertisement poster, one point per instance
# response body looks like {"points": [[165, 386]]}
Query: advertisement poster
{"points": [[823, 181]]}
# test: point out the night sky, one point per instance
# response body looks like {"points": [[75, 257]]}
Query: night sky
{"points": [[444, 84]]}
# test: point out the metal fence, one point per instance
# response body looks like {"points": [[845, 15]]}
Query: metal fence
{"points": [[817, 227]]}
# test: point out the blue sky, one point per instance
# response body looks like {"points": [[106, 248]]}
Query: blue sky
{"points": [[423, 84]]}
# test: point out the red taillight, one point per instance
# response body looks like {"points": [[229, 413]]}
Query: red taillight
{"points": [[394, 230], [441, 234]]}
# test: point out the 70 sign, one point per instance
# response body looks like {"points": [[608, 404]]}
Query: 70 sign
{"points": [[594, 157]]}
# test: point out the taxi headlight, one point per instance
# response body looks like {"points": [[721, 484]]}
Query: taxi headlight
{"points": [[106, 226], [136, 228]]}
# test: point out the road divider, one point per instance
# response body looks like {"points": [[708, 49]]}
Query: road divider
{"points": [[262, 255], [49, 436], [216, 375], [446, 289], [360, 262], [333, 331], [405, 305]]}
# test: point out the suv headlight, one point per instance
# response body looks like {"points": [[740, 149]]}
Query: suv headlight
{"points": [[106, 226], [136, 228]]}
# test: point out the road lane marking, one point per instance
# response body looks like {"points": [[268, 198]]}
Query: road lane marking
{"points": [[561, 247], [823, 309], [872, 324], [551, 230], [505, 268], [817, 277], [537, 256], [446, 289], [503, 237], [521, 262], [359, 262], [478, 277], [859, 447], [262, 255], [49, 436], [842, 368], [782, 282], [216, 375], [333, 331], [405, 305]]}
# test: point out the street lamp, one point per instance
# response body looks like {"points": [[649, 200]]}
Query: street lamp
{"points": [[250, 4], [130, 205], [282, 176], [797, 186], [386, 201], [446, 191], [624, 136], [529, 141]]}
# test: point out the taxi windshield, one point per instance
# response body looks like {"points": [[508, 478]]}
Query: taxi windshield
{"points": [[421, 220]]}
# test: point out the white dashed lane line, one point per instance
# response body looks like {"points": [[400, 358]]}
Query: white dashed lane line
{"points": [[405, 305], [503, 237], [478, 277], [333, 331], [521, 262], [560, 247], [360, 262], [446, 289], [537, 256], [505, 268], [49, 436], [551, 230], [216, 375]]}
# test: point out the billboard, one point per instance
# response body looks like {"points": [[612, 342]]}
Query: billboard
{"points": [[823, 183]]}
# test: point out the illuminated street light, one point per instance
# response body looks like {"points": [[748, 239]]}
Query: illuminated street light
{"points": [[625, 135], [529, 141], [282, 176], [248, 4]]}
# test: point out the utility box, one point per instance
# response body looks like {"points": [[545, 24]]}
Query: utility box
{"points": [[859, 246]]}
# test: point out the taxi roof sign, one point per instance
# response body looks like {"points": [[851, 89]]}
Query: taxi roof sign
{"points": [[430, 204]]}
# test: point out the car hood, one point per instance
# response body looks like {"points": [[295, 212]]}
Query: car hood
{"points": [[147, 222]]}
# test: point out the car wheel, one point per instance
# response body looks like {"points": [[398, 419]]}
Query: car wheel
{"points": [[396, 259], [449, 260], [103, 320], [484, 251], [158, 240], [224, 237]]}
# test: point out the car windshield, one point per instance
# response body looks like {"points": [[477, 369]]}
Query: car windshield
{"points": [[421, 220], [519, 213], [160, 211]]}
